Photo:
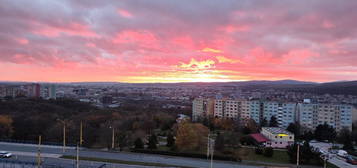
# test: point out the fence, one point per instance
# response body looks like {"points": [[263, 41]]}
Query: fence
{"points": [[35, 142]]}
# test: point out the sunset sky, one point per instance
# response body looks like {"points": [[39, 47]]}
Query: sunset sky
{"points": [[178, 41]]}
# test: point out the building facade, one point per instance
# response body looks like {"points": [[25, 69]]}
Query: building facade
{"points": [[279, 138], [308, 114], [338, 116]]}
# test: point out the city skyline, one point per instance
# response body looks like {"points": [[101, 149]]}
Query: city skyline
{"points": [[177, 41]]}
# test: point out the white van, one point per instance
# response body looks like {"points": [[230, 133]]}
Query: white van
{"points": [[342, 153]]}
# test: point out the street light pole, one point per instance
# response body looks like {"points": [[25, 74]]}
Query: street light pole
{"points": [[77, 158], [81, 134], [64, 136], [39, 152], [298, 155], [113, 138]]}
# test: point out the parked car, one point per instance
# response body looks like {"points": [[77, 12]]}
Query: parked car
{"points": [[351, 160], [342, 153], [4, 154]]}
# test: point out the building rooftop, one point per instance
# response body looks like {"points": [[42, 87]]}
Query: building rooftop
{"points": [[259, 137], [277, 130]]}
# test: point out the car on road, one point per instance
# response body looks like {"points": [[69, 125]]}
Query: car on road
{"points": [[342, 153], [351, 160], [4, 154]]}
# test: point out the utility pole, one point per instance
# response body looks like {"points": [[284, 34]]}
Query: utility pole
{"points": [[113, 138], [77, 158], [64, 136], [208, 146], [212, 152], [298, 155], [39, 152], [81, 135], [64, 133]]}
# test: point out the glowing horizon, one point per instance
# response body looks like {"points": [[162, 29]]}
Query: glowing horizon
{"points": [[162, 41]]}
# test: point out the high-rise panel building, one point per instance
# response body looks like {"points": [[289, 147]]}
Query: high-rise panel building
{"points": [[284, 112], [308, 114], [33, 90], [201, 108], [338, 116]]}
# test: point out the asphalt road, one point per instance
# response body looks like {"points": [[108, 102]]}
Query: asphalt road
{"points": [[336, 160], [51, 155]]}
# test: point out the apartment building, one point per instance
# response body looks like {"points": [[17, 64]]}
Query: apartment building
{"points": [[308, 114], [284, 112], [336, 115], [202, 107]]}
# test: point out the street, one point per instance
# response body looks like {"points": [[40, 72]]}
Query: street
{"points": [[51, 154], [336, 160]]}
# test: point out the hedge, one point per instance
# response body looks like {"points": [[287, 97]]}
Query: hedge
{"points": [[185, 154]]}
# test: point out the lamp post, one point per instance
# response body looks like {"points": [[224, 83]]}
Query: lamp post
{"points": [[298, 155], [81, 134], [39, 152], [64, 134], [113, 136]]}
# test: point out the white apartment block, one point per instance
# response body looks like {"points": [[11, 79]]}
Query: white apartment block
{"points": [[284, 112], [309, 115], [202, 108], [336, 115]]}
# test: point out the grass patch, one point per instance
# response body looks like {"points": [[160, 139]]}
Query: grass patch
{"points": [[278, 156], [330, 165], [120, 161]]}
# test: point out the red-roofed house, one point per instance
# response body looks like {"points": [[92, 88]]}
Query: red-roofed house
{"points": [[260, 138]]}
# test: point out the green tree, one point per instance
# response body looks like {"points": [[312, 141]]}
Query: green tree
{"points": [[219, 142], [152, 142], [273, 122], [264, 122], [139, 143], [306, 153], [345, 137], [170, 140], [294, 128], [325, 132]]}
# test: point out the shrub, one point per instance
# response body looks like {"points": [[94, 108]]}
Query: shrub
{"points": [[258, 151], [139, 144], [268, 152]]}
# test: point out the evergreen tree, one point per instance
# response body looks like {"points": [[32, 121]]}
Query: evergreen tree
{"points": [[139, 143], [306, 153], [325, 132], [294, 128], [264, 122], [170, 140], [152, 142], [273, 122], [345, 138]]}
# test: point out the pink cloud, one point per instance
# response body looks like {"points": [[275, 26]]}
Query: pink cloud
{"points": [[73, 29], [22, 41], [124, 13]]}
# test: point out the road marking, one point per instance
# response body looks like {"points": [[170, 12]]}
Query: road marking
{"points": [[34, 154]]}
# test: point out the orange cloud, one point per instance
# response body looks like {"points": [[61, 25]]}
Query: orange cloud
{"points": [[223, 59], [197, 65], [124, 13], [211, 50]]}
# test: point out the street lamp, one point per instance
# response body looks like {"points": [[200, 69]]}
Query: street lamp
{"points": [[113, 138], [81, 134], [64, 134]]}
